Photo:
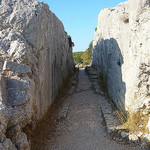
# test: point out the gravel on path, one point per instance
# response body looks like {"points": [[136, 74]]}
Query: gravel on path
{"points": [[83, 128]]}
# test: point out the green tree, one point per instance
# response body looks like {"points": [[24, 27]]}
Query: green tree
{"points": [[87, 55], [77, 57], [84, 57]]}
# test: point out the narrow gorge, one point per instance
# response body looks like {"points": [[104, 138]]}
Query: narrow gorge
{"points": [[42, 91]]}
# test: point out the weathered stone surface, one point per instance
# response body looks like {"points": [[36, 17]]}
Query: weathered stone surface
{"points": [[121, 52], [17, 91], [133, 138], [109, 115], [17, 69], [124, 135], [35, 58], [36, 37], [3, 91], [22, 143], [13, 133], [7, 145], [145, 142]]}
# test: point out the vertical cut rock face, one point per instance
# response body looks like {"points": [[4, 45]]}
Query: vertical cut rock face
{"points": [[121, 53], [35, 59]]}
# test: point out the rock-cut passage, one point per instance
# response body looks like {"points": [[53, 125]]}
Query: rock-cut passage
{"points": [[81, 129]]}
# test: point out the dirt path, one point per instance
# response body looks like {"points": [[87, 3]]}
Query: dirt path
{"points": [[82, 129]]}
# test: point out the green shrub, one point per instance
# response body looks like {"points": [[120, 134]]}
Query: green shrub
{"points": [[95, 29]]}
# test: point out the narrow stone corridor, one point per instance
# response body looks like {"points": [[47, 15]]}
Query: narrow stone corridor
{"points": [[81, 129]]}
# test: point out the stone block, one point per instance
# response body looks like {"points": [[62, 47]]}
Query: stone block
{"points": [[124, 135], [17, 69], [13, 133], [22, 143], [7, 145], [17, 91]]}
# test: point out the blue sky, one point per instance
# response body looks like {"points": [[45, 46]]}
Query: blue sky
{"points": [[80, 18]]}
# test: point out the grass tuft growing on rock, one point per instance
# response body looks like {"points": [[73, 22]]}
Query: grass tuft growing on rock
{"points": [[133, 122], [121, 116]]}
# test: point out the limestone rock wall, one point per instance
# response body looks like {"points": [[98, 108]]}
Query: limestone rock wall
{"points": [[121, 53], [35, 59]]}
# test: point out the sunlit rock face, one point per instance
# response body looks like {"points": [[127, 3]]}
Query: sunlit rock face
{"points": [[35, 59], [121, 53]]}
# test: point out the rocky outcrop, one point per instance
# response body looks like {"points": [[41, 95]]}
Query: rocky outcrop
{"points": [[121, 53], [35, 59]]}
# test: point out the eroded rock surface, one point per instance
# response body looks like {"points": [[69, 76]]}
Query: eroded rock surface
{"points": [[35, 59], [121, 53]]}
